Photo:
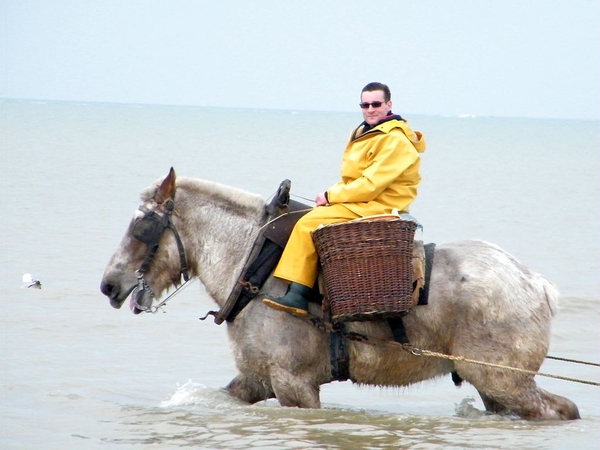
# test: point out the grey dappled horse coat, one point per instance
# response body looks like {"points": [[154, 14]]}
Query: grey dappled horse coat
{"points": [[483, 305]]}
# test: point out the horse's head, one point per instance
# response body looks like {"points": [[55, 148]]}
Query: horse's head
{"points": [[150, 257]]}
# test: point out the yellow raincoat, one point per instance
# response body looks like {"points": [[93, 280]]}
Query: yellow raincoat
{"points": [[380, 173]]}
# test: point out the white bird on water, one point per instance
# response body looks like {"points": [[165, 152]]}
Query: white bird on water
{"points": [[29, 282]]}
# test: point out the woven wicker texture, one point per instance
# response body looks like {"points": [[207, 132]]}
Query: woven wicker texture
{"points": [[367, 265]]}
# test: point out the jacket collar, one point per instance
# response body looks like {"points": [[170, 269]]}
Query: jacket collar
{"points": [[365, 127]]}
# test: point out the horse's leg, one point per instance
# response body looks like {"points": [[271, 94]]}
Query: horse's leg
{"points": [[530, 402], [248, 389], [293, 390], [503, 392], [492, 405]]}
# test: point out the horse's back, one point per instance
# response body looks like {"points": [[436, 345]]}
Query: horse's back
{"points": [[480, 280]]}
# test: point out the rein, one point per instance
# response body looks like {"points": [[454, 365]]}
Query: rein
{"points": [[155, 309], [149, 230]]}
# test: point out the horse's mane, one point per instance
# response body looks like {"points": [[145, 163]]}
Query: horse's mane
{"points": [[233, 198]]}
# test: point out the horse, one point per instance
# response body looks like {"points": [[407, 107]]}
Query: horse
{"points": [[483, 305]]}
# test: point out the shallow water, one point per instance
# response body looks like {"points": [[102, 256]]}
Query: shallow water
{"points": [[78, 374]]}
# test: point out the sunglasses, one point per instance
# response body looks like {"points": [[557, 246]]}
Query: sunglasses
{"points": [[365, 105]]}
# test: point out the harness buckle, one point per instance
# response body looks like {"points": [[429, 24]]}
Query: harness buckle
{"points": [[247, 286]]}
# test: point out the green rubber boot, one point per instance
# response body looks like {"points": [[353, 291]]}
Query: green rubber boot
{"points": [[295, 301]]}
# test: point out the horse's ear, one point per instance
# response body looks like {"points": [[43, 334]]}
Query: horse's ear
{"points": [[166, 189]]}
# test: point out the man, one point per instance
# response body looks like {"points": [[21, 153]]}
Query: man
{"points": [[380, 173]]}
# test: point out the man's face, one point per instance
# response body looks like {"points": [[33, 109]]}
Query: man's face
{"points": [[371, 114]]}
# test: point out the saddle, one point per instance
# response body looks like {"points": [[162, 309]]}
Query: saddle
{"points": [[282, 214]]}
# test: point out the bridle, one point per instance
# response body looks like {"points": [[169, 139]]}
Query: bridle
{"points": [[149, 230]]}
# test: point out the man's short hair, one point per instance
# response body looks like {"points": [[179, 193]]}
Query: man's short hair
{"points": [[375, 86]]}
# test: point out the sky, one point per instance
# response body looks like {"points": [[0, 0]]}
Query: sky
{"points": [[510, 58]]}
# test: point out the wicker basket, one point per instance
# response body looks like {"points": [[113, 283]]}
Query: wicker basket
{"points": [[367, 266]]}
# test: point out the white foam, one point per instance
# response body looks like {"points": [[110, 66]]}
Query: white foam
{"points": [[196, 394]]}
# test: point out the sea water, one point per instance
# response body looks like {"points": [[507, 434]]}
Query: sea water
{"points": [[78, 374]]}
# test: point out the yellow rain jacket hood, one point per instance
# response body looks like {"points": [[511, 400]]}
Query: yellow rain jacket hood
{"points": [[380, 169]]}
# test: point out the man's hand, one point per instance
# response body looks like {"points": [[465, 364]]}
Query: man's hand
{"points": [[321, 200]]}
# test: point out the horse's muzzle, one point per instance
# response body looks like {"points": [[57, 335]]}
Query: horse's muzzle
{"points": [[115, 295]]}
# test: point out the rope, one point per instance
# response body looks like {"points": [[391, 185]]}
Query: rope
{"points": [[303, 198], [328, 327], [419, 352], [573, 361], [155, 309]]}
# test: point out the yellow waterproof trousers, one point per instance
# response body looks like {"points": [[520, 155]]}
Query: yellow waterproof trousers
{"points": [[299, 261]]}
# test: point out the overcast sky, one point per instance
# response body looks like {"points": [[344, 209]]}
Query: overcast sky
{"points": [[517, 58]]}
